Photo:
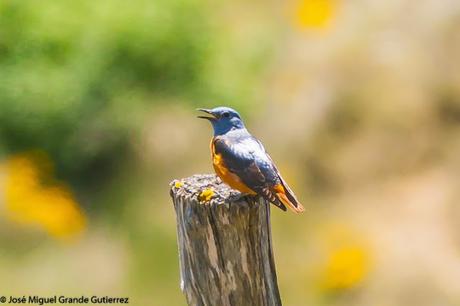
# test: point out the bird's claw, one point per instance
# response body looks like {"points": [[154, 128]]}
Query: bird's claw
{"points": [[235, 197]]}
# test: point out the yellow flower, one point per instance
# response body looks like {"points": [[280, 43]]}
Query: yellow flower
{"points": [[29, 201], [345, 268], [347, 258], [206, 195], [315, 14]]}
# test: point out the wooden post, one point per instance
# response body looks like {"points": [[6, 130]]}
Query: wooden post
{"points": [[225, 248]]}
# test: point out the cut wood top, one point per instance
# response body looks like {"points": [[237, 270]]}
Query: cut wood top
{"points": [[207, 189]]}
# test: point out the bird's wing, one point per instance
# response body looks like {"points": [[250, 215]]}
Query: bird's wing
{"points": [[286, 195], [246, 157], [281, 189]]}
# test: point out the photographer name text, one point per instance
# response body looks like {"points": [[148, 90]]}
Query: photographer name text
{"points": [[48, 300]]}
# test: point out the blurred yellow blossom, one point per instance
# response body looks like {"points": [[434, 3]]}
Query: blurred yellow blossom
{"points": [[315, 14], [347, 259], [345, 268], [206, 195], [33, 197]]}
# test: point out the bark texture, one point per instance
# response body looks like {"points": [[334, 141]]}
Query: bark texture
{"points": [[225, 248]]}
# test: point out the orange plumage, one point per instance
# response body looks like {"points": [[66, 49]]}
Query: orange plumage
{"points": [[225, 175]]}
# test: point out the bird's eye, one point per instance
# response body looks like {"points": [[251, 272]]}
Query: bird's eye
{"points": [[226, 114]]}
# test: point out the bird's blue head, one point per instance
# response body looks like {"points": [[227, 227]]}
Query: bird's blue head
{"points": [[223, 119]]}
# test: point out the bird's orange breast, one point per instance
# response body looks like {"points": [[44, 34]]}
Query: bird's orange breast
{"points": [[225, 174]]}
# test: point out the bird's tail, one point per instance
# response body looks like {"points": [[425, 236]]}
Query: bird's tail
{"points": [[285, 195]]}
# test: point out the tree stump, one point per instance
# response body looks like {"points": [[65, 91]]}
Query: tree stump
{"points": [[225, 247]]}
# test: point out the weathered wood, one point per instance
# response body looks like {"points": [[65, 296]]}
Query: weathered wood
{"points": [[225, 248]]}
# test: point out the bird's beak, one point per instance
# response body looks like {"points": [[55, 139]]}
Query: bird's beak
{"points": [[212, 117]]}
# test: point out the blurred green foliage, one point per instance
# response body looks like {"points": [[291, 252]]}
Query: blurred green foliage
{"points": [[74, 74]]}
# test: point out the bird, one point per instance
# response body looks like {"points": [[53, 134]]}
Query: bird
{"points": [[241, 161]]}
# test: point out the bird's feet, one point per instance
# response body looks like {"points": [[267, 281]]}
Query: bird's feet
{"points": [[237, 196]]}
